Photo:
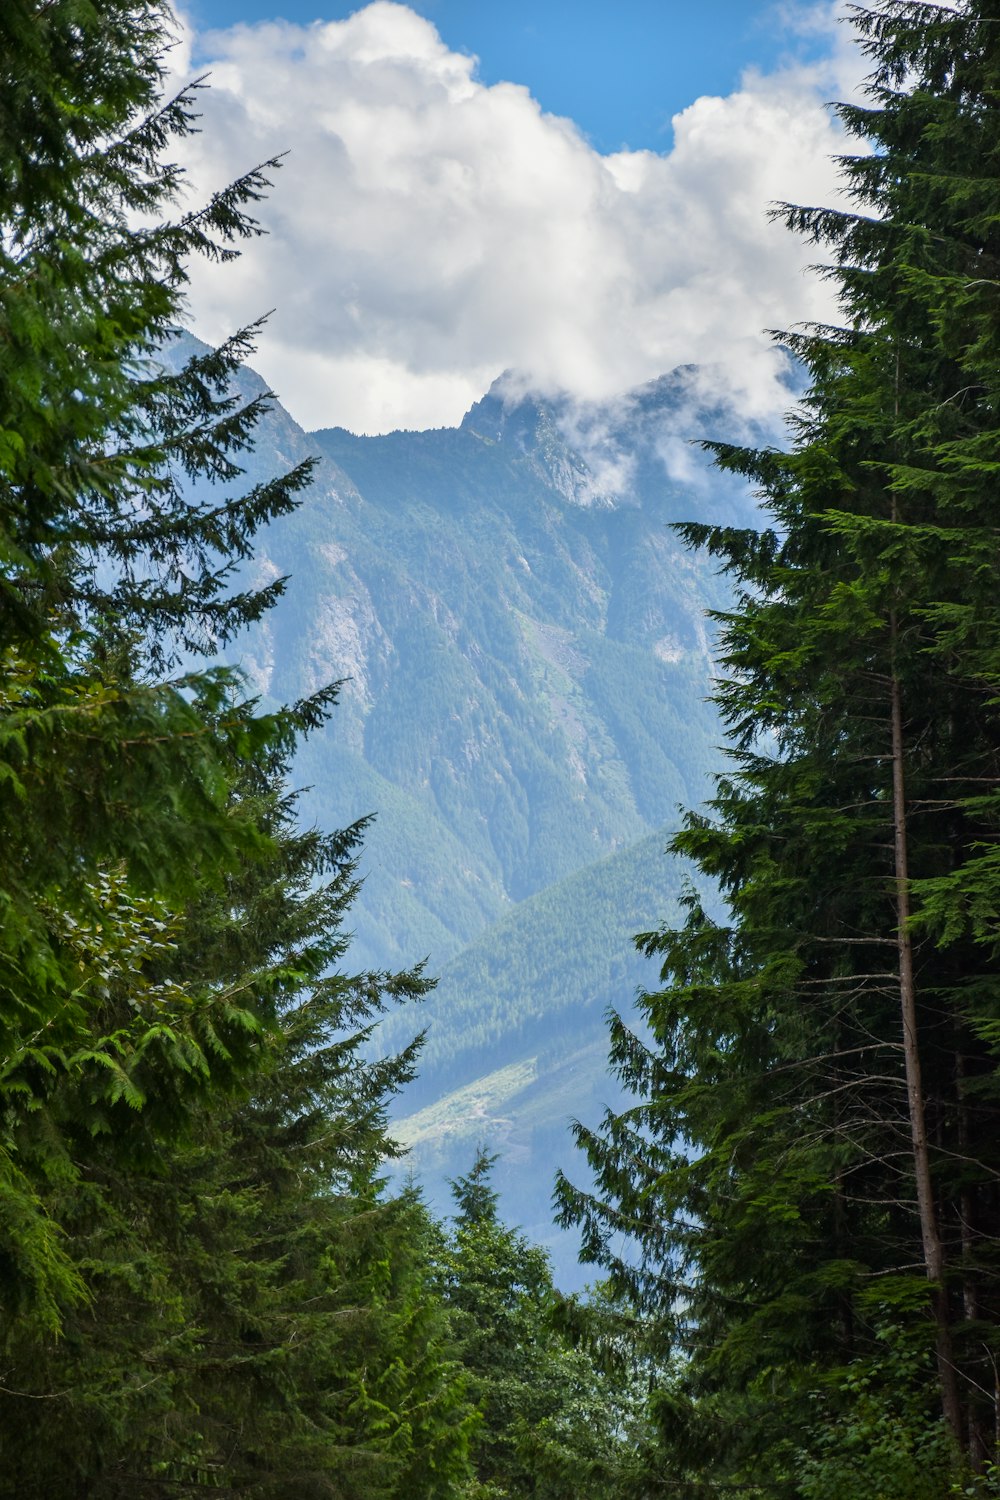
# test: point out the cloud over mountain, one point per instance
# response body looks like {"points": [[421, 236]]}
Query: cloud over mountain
{"points": [[428, 231]]}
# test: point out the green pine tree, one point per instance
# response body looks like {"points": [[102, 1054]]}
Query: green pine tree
{"points": [[557, 1421], [810, 1180], [201, 1284], [257, 1312], [114, 782]]}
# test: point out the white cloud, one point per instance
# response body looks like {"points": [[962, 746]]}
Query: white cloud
{"points": [[428, 232]]}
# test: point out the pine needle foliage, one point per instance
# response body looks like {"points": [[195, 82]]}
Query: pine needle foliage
{"points": [[202, 1284], [259, 1318], [112, 776], [557, 1420], [807, 1193]]}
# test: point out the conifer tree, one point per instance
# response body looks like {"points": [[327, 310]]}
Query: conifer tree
{"points": [[200, 1283], [258, 1314], [555, 1422], [114, 780], [812, 1177]]}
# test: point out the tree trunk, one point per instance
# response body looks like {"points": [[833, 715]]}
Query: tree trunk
{"points": [[933, 1250]]}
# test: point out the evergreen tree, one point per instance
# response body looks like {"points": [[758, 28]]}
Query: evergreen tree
{"points": [[555, 1423], [257, 1314], [201, 1285], [811, 1182], [114, 787]]}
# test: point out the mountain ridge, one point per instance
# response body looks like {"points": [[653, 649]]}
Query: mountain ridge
{"points": [[549, 658]]}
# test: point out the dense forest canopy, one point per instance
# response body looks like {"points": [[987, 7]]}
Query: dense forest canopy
{"points": [[201, 1287], [810, 1177], [204, 1285]]}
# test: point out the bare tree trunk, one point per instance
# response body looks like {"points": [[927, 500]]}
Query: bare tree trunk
{"points": [[933, 1250]]}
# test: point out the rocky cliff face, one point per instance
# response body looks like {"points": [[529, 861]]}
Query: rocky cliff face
{"points": [[522, 643]]}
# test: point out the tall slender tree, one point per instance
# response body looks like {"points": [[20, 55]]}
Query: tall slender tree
{"points": [[258, 1314], [814, 1177]]}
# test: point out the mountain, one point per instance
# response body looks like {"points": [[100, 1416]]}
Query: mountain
{"points": [[525, 657], [516, 1037], [525, 661]]}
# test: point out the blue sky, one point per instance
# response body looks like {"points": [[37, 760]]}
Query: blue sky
{"points": [[620, 71], [586, 205]]}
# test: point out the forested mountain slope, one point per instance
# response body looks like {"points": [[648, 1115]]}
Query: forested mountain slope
{"points": [[522, 641], [516, 1035]]}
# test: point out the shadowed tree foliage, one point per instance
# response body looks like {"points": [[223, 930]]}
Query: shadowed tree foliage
{"points": [[557, 1421], [811, 1183], [114, 779], [201, 1283], [256, 1313]]}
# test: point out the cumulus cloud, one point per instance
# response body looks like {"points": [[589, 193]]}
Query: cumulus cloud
{"points": [[428, 232]]}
